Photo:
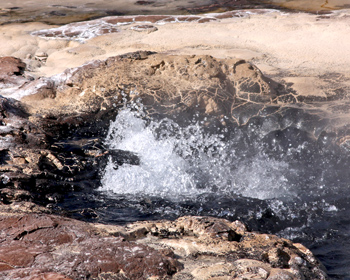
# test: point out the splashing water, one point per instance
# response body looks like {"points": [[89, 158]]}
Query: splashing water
{"points": [[161, 171], [180, 162], [276, 178]]}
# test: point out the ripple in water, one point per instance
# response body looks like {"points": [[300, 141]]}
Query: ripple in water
{"points": [[281, 181]]}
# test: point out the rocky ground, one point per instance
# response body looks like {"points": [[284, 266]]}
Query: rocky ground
{"points": [[51, 141], [44, 246]]}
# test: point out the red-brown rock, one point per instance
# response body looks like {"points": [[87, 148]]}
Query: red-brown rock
{"points": [[11, 66], [43, 247], [11, 71]]}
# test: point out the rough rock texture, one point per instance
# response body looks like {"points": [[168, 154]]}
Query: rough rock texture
{"points": [[52, 140], [174, 86], [166, 85], [32, 168], [213, 248], [11, 72], [58, 248], [38, 246]]}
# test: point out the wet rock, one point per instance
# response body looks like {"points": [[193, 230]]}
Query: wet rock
{"points": [[9, 195], [85, 30], [23, 207], [51, 144], [32, 168], [63, 14], [223, 5], [40, 246], [49, 247], [207, 253]]}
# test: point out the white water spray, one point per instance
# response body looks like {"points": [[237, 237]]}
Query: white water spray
{"points": [[178, 162]]}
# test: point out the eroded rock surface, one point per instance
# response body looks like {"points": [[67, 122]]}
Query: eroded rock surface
{"points": [[166, 85], [35, 246], [32, 168], [38, 245], [173, 86], [213, 248]]}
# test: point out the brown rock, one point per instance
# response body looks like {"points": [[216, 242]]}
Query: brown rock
{"points": [[246, 268], [19, 255], [5, 266], [11, 72], [50, 247], [81, 102], [10, 66], [279, 274], [207, 253], [219, 271], [150, 18], [166, 84]]}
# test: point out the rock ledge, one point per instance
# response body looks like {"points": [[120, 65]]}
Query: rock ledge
{"points": [[43, 246]]}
